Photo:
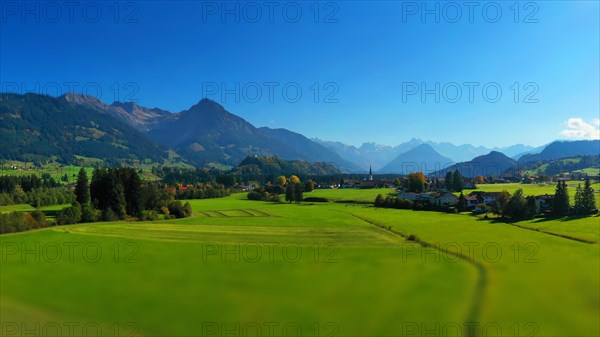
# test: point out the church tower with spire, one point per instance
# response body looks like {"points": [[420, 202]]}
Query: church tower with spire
{"points": [[370, 174]]}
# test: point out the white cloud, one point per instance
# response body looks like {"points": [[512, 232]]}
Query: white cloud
{"points": [[578, 129]]}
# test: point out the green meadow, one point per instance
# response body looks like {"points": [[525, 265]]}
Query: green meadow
{"points": [[248, 268]]}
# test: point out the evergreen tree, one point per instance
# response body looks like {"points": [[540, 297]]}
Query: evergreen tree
{"points": [[298, 192], [532, 209], [379, 200], [499, 205], [457, 181], [560, 206], [588, 200], [132, 188], [118, 203], [462, 202], [449, 182], [516, 208], [99, 188], [82, 189], [579, 208], [290, 192]]}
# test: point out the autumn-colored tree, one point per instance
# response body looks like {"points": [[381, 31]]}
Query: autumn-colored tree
{"points": [[479, 180], [281, 181], [416, 182], [294, 180]]}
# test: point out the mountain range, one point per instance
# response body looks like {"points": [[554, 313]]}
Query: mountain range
{"points": [[43, 127], [38, 128], [420, 158], [377, 156], [557, 150]]}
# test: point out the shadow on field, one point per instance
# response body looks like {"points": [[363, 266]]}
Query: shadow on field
{"points": [[564, 218]]}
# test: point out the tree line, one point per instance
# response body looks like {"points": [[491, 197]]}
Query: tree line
{"points": [[119, 194], [293, 188], [112, 194]]}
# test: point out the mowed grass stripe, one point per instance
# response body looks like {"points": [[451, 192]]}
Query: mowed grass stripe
{"points": [[351, 236]]}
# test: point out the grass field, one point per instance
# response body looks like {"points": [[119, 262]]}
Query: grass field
{"points": [[325, 269], [351, 194]]}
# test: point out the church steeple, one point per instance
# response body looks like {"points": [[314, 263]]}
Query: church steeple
{"points": [[370, 174]]}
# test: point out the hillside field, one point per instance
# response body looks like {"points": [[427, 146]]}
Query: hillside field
{"points": [[247, 268]]}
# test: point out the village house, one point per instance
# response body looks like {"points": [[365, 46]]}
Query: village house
{"points": [[350, 183], [327, 186], [485, 197], [440, 199], [544, 203], [429, 197], [446, 199], [412, 196], [471, 201], [244, 188]]}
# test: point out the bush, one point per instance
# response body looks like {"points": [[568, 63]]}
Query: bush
{"points": [[69, 215], [40, 218], [187, 209], [178, 210], [108, 215], [274, 198], [88, 213], [150, 215], [254, 195], [263, 195]]}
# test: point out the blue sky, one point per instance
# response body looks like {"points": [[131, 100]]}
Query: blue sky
{"points": [[361, 67]]}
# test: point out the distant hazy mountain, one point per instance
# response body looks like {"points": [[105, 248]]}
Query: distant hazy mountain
{"points": [[563, 149], [37, 127], [368, 155], [380, 155], [308, 149], [492, 164], [421, 158]]}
